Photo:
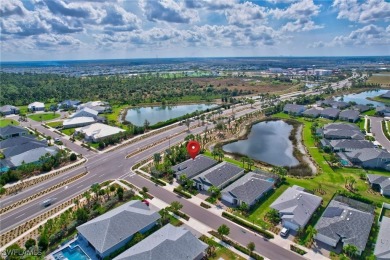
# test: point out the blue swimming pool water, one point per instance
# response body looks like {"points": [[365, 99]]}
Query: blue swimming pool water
{"points": [[72, 253]]}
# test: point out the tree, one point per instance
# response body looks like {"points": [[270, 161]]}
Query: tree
{"points": [[145, 189], [273, 216], [187, 123], [176, 206], [183, 178], [279, 170], [251, 101], [214, 153], [243, 160], [350, 250], [251, 246], [14, 252], [30, 243], [43, 242], [81, 215], [96, 188], [73, 157], [220, 154], [311, 232], [157, 158], [223, 230], [250, 162], [215, 191], [119, 192], [146, 124], [87, 196]]}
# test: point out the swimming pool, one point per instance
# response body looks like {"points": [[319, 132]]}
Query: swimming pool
{"points": [[74, 253]]}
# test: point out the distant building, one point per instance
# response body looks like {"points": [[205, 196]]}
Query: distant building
{"points": [[218, 176], [361, 108], [36, 106], [345, 221], [67, 104], [275, 70], [379, 182], [99, 106], [293, 109], [349, 115], [330, 113], [296, 207], [333, 103], [112, 230], [173, 243], [8, 110], [382, 245], [192, 167], [322, 72], [98, 131], [12, 131], [249, 188]]}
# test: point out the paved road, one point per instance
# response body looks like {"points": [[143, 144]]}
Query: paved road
{"points": [[376, 129]]}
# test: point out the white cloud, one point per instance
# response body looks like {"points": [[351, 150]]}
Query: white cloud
{"points": [[245, 14], [213, 5], [303, 9], [301, 25], [9, 7], [167, 11], [366, 12]]}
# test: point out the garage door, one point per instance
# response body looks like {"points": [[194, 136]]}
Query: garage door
{"points": [[290, 225], [227, 198]]}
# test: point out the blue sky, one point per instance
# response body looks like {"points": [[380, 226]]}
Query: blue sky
{"points": [[115, 29]]}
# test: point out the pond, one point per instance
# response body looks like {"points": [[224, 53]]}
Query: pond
{"points": [[267, 142], [361, 98], [156, 114]]}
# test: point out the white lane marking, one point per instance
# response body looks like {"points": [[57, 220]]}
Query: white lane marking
{"points": [[21, 215], [80, 186]]}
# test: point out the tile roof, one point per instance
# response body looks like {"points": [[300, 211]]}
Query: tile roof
{"points": [[342, 131], [86, 110], [296, 205], [330, 112], [312, 112], [8, 108], [250, 187], [191, 167], [11, 129], [341, 126], [27, 146], [294, 108], [30, 156], [98, 130], [18, 140], [173, 243], [382, 246], [367, 154], [351, 144], [361, 108], [382, 181], [349, 114], [109, 229], [36, 104], [219, 174], [386, 95], [78, 120], [348, 220]]}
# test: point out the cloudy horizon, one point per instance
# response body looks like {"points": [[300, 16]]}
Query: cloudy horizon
{"points": [[120, 29]]}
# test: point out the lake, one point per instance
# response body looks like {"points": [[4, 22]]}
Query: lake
{"points": [[361, 98], [157, 114], [267, 142]]}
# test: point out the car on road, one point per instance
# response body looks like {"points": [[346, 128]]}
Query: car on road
{"points": [[146, 202], [56, 139], [284, 232], [47, 202]]}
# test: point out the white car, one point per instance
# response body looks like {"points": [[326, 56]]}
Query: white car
{"points": [[284, 232], [56, 139]]}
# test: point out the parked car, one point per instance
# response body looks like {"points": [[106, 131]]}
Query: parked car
{"points": [[56, 139], [284, 232], [146, 202]]}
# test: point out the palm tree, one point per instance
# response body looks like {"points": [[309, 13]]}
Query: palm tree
{"points": [[214, 153], [215, 191], [87, 196], [243, 160], [311, 232], [157, 158], [251, 247], [251, 101], [250, 163], [220, 154], [146, 124], [350, 250], [176, 206], [96, 188]]}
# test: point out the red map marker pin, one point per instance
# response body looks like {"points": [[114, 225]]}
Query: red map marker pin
{"points": [[193, 148]]}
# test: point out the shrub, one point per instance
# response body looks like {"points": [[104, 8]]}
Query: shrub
{"points": [[204, 205], [73, 157], [297, 250], [158, 181], [183, 193]]}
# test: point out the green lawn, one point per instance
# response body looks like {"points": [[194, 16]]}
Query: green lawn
{"points": [[221, 252], [369, 112], [381, 99], [5, 121], [44, 116], [54, 124], [68, 131]]}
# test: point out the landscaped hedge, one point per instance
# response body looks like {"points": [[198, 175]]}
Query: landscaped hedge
{"points": [[297, 250], [204, 205], [158, 181], [244, 223], [183, 193], [355, 197], [384, 129], [181, 214]]}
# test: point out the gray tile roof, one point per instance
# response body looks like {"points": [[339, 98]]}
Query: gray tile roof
{"points": [[341, 126], [386, 95], [348, 220], [219, 174], [8, 109], [250, 187], [383, 109], [70, 103], [367, 154], [16, 141], [330, 112], [361, 108], [191, 167], [342, 131], [11, 129], [173, 243], [18, 149], [336, 104], [293, 108], [350, 144], [349, 114], [312, 112], [118, 224], [30, 156], [382, 181], [296, 205], [382, 246]]}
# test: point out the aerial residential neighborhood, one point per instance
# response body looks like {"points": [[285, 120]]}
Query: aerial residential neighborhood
{"points": [[195, 130]]}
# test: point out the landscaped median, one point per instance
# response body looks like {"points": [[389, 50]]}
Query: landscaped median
{"points": [[248, 225], [182, 193], [385, 130]]}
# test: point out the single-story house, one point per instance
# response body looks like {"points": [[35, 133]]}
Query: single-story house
{"points": [[386, 95], [379, 182], [9, 110], [99, 106], [347, 145], [218, 176], [334, 104], [293, 109], [361, 108], [98, 131], [383, 111], [30, 156], [374, 158], [12, 131], [112, 230], [330, 113], [312, 112], [85, 112], [169, 242], [22, 148], [78, 122], [382, 245], [36, 106], [15, 141], [341, 131], [249, 189], [66, 104], [345, 221], [192, 167], [296, 207], [349, 115]]}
